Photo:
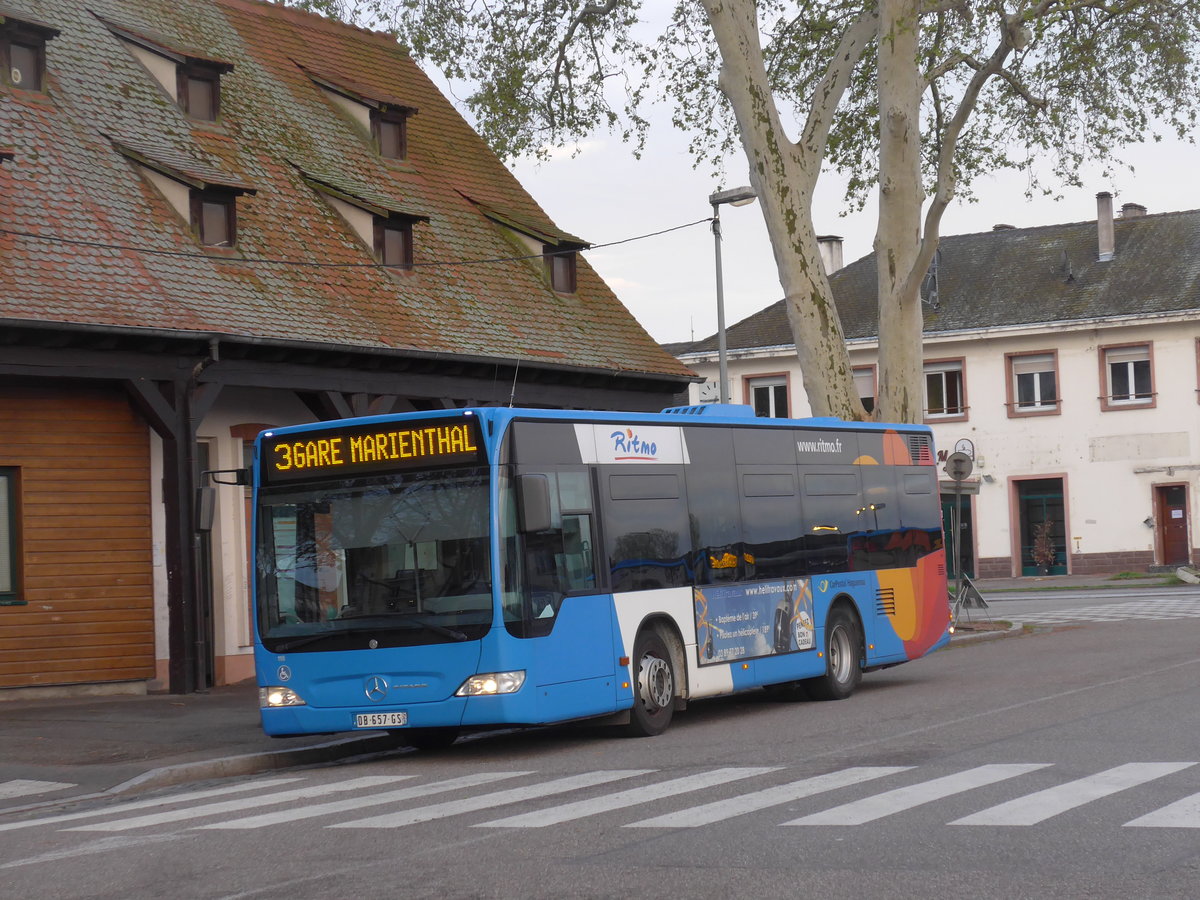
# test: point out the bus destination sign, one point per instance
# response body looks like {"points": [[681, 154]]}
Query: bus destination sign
{"points": [[364, 449]]}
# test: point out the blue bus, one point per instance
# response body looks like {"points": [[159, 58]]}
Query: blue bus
{"points": [[436, 572]]}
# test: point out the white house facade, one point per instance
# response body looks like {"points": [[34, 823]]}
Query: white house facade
{"points": [[1064, 359]]}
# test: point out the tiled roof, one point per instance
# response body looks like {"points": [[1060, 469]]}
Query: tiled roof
{"points": [[1020, 276], [72, 189], [162, 45], [354, 90], [181, 166], [25, 18]]}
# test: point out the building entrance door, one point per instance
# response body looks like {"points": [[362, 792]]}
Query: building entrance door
{"points": [[966, 535], [1170, 503], [1043, 526]]}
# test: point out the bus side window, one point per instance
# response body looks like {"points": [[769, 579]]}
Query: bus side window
{"points": [[771, 523], [714, 512], [831, 504], [881, 543], [646, 528]]}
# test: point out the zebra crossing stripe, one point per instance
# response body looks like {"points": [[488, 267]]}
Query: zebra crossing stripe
{"points": [[1183, 813], [25, 787], [1042, 805], [1179, 608], [768, 797], [212, 809], [489, 801], [149, 804], [583, 808], [354, 803], [890, 802]]}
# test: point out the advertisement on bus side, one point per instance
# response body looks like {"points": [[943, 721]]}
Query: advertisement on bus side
{"points": [[756, 619]]}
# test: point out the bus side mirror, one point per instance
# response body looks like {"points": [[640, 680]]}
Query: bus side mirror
{"points": [[533, 503], [228, 476], [206, 503]]}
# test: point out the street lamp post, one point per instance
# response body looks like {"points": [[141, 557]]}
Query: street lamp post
{"points": [[739, 196]]}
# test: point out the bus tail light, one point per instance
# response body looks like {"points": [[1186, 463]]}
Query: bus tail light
{"points": [[490, 683]]}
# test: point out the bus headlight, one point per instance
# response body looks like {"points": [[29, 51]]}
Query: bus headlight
{"points": [[274, 697], [491, 683]]}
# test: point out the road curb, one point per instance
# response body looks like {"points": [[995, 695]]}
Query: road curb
{"points": [[255, 763], [1014, 629], [231, 766]]}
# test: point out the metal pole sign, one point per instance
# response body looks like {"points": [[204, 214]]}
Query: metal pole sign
{"points": [[959, 466]]}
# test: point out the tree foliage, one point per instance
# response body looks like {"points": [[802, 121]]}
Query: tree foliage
{"points": [[910, 100]]}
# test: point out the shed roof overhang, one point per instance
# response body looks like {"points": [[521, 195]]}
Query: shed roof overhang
{"points": [[37, 349]]}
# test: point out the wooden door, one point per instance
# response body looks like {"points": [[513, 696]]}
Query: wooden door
{"points": [[1171, 504]]}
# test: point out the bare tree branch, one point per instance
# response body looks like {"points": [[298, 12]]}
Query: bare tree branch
{"points": [[589, 10]]}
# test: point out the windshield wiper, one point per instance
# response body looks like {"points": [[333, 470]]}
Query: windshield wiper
{"points": [[313, 638], [406, 620], [451, 633]]}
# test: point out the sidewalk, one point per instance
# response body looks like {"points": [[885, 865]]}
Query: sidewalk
{"points": [[113, 745]]}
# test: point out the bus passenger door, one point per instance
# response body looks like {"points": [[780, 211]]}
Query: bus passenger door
{"points": [[552, 600]]}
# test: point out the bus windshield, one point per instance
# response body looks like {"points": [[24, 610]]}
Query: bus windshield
{"points": [[393, 561]]}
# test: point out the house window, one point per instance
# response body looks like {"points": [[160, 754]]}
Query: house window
{"points": [[944, 389], [1128, 377], [1033, 383], [214, 217], [23, 53], [394, 242], [769, 397], [389, 128], [200, 91], [8, 538], [560, 264], [864, 383]]}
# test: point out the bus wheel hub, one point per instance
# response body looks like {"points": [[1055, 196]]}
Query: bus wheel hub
{"points": [[655, 684]]}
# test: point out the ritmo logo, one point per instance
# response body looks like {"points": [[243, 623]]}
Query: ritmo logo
{"points": [[627, 445]]}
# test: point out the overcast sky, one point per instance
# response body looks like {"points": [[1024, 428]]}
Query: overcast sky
{"points": [[604, 195]]}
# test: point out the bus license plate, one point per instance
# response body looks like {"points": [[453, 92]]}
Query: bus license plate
{"points": [[381, 720]]}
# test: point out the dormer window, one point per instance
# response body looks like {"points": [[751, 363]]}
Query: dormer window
{"points": [[394, 242], [385, 117], [560, 251], [390, 130], [23, 52], [190, 78], [214, 216], [204, 196], [384, 225], [560, 266], [200, 91]]}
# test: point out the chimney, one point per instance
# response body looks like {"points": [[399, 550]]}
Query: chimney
{"points": [[1132, 210], [831, 252], [1104, 225]]}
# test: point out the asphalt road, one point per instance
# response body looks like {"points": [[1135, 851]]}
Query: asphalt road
{"points": [[1061, 763]]}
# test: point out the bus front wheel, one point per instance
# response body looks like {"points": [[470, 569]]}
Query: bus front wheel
{"points": [[843, 655], [653, 686]]}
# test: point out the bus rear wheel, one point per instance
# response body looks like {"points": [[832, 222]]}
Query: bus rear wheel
{"points": [[843, 656], [653, 686]]}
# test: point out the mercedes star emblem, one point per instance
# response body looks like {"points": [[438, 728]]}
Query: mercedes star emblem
{"points": [[376, 688]]}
